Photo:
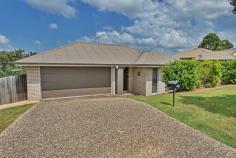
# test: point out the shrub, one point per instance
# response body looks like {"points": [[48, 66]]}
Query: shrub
{"points": [[229, 72], [185, 71], [210, 73]]}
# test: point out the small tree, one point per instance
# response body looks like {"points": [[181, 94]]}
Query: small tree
{"points": [[225, 44], [7, 61], [210, 73], [210, 41], [185, 71], [213, 42]]}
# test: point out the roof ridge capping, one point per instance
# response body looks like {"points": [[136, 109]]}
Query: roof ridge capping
{"points": [[84, 42], [104, 44]]}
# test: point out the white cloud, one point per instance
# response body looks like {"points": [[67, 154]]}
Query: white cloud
{"points": [[158, 24], [209, 9], [139, 8], [5, 43], [61, 7], [115, 37], [121, 38], [127, 7], [3, 40], [170, 25], [53, 26], [37, 42], [146, 41]]}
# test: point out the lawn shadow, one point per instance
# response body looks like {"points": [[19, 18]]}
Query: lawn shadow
{"points": [[225, 104], [165, 103]]}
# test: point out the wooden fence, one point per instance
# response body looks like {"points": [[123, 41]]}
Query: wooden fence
{"points": [[13, 89]]}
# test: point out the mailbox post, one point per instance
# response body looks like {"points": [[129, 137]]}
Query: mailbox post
{"points": [[173, 85]]}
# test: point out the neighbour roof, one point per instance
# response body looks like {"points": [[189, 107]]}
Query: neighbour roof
{"points": [[85, 53], [204, 54], [232, 51]]}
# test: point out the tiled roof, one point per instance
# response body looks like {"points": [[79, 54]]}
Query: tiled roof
{"points": [[81, 53], [85, 53]]}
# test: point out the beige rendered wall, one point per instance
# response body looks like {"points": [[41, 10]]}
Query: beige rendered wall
{"points": [[142, 81], [33, 83], [113, 80], [131, 78], [161, 86], [138, 81], [148, 72], [119, 80]]}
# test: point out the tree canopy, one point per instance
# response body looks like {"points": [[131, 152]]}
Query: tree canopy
{"points": [[214, 43], [7, 59], [233, 3]]}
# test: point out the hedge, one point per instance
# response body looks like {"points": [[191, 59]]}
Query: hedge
{"points": [[192, 73], [229, 72], [210, 73], [185, 71]]}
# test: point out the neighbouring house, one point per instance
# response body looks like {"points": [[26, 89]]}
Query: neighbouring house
{"points": [[205, 54], [232, 51], [87, 69]]}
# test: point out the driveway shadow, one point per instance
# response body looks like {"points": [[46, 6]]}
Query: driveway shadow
{"points": [[224, 105]]}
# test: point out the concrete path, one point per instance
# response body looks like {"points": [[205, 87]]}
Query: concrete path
{"points": [[104, 127], [20, 103]]}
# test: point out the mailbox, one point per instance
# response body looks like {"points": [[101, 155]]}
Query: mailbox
{"points": [[173, 85]]}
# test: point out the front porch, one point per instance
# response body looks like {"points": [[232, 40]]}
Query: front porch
{"points": [[137, 80]]}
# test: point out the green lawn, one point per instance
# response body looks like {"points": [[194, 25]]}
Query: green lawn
{"points": [[212, 111], [7, 116]]}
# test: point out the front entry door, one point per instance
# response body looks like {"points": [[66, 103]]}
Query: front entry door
{"points": [[154, 80], [126, 79]]}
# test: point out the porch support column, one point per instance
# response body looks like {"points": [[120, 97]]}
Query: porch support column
{"points": [[33, 83], [119, 80], [113, 80]]}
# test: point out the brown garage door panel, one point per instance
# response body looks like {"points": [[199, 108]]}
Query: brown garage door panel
{"points": [[74, 81], [75, 92], [63, 78]]}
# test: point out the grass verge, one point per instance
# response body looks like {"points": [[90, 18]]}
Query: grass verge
{"points": [[212, 112], [9, 115]]}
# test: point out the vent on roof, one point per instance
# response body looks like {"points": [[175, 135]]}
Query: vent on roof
{"points": [[200, 56]]}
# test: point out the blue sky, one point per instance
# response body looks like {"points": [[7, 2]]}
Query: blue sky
{"points": [[166, 25]]}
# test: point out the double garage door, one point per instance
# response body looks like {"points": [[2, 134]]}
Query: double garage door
{"points": [[75, 81]]}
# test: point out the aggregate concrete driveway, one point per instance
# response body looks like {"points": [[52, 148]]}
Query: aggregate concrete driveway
{"points": [[104, 127]]}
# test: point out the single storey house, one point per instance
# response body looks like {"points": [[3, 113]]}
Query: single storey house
{"points": [[86, 69]]}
